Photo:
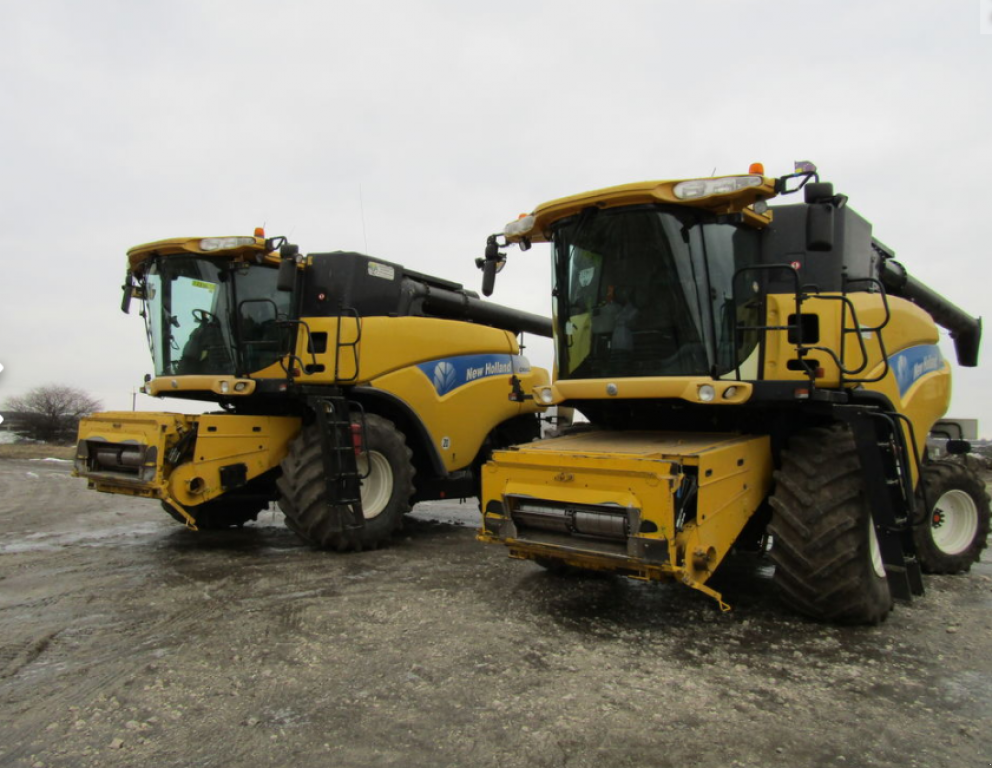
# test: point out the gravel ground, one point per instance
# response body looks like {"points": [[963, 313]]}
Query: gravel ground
{"points": [[126, 640]]}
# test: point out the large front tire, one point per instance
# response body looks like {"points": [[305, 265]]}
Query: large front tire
{"points": [[386, 491], [827, 561], [955, 527]]}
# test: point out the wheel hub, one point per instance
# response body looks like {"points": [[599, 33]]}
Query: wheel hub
{"points": [[377, 488], [954, 522]]}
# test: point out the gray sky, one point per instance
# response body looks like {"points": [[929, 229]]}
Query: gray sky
{"points": [[126, 122]]}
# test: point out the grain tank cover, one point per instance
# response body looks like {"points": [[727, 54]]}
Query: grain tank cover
{"points": [[353, 283]]}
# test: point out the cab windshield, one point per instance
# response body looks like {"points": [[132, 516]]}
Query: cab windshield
{"points": [[649, 291], [205, 316]]}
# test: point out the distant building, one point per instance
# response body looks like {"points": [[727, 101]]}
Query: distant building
{"points": [[956, 429]]}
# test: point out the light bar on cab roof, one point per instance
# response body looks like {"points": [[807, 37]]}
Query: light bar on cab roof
{"points": [[697, 188], [520, 227], [224, 243]]}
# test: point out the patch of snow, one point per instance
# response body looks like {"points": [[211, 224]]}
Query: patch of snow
{"points": [[45, 541], [450, 512]]}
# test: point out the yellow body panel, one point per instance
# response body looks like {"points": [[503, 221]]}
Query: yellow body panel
{"points": [[385, 345], [636, 474], [259, 442], [389, 351], [908, 328], [650, 387], [222, 386], [459, 421], [389, 344]]}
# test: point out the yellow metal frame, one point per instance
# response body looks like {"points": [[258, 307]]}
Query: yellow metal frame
{"points": [[257, 442], [638, 471]]}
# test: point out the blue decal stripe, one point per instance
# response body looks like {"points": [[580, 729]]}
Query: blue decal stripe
{"points": [[450, 373], [911, 365]]}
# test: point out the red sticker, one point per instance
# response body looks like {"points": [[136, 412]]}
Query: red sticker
{"points": [[796, 265]]}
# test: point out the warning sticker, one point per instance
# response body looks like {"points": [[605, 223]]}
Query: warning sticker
{"points": [[384, 271]]}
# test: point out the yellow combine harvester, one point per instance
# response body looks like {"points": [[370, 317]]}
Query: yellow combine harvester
{"points": [[350, 386], [751, 375]]}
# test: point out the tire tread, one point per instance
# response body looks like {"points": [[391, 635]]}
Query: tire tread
{"points": [[819, 522]]}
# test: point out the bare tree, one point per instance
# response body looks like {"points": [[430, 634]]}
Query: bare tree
{"points": [[52, 412]]}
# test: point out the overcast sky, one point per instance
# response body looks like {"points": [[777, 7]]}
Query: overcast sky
{"points": [[412, 130]]}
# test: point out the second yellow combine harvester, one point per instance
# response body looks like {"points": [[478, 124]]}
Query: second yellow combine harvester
{"points": [[351, 388], [752, 376]]}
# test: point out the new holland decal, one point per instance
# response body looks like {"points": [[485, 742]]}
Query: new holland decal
{"points": [[914, 363], [451, 373]]}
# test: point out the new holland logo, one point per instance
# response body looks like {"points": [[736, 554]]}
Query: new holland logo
{"points": [[449, 374], [444, 377], [902, 369], [912, 364]]}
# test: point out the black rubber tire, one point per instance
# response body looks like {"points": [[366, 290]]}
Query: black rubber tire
{"points": [[303, 489], [221, 514], [950, 484], [822, 532]]}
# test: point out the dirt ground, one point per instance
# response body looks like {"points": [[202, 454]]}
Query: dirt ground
{"points": [[126, 640]]}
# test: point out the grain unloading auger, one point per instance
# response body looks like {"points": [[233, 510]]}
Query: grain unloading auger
{"points": [[750, 375], [351, 387]]}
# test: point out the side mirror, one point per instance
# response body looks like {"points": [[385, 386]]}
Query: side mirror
{"points": [[958, 447], [490, 265], [488, 278], [128, 288]]}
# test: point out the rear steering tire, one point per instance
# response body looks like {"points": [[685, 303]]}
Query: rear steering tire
{"points": [[385, 492], [827, 562], [955, 527]]}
